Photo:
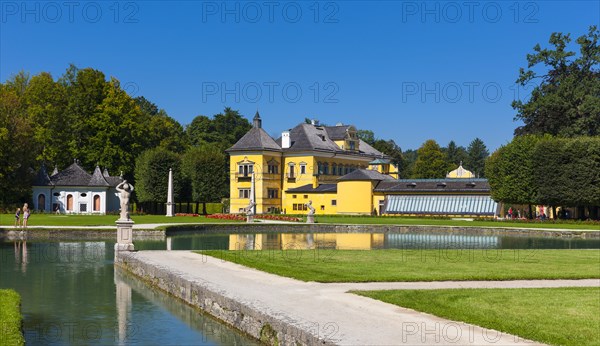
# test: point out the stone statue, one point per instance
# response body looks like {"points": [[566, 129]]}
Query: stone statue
{"points": [[311, 210], [125, 190], [249, 210]]}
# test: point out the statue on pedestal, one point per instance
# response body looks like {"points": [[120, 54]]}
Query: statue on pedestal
{"points": [[311, 213], [125, 190]]}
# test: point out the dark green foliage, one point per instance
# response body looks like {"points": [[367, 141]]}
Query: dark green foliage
{"points": [[510, 171], [455, 154], [431, 162], [204, 167], [152, 175], [391, 149], [476, 155], [567, 171], [566, 101], [224, 129]]}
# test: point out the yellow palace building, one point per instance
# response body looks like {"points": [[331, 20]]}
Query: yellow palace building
{"points": [[340, 174]]}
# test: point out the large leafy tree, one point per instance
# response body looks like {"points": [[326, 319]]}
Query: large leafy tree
{"points": [[431, 162], [567, 172], [510, 171], [476, 154], [163, 131], [566, 101], [391, 149], [224, 129], [203, 167], [152, 175], [17, 154]]}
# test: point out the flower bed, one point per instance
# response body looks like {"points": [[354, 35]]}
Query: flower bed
{"points": [[241, 217], [187, 214]]}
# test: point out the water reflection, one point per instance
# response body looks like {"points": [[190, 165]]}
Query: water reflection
{"points": [[71, 295], [362, 241]]}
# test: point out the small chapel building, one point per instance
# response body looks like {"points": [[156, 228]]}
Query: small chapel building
{"points": [[75, 191]]}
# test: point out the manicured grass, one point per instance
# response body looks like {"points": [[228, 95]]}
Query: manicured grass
{"points": [[558, 316], [419, 265], [393, 220], [101, 220], [10, 318]]}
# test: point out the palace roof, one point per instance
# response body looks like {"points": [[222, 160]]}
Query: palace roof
{"points": [[434, 185], [75, 175]]}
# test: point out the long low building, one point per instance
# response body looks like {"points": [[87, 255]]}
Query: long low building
{"points": [[331, 170]]}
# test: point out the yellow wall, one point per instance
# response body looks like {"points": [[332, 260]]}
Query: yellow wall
{"points": [[318, 199], [355, 197], [263, 181]]}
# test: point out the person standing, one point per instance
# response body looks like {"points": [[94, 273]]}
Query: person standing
{"points": [[25, 214], [18, 218]]}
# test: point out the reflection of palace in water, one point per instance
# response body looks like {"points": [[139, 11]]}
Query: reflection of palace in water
{"points": [[358, 241]]}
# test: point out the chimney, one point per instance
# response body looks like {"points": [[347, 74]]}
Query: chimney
{"points": [[285, 140]]}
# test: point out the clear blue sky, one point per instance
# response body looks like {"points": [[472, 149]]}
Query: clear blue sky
{"points": [[409, 71]]}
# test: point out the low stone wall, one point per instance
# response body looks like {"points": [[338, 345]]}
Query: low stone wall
{"points": [[249, 319], [72, 234], [335, 228]]}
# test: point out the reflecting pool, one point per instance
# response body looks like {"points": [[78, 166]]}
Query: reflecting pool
{"points": [[72, 295], [363, 241]]}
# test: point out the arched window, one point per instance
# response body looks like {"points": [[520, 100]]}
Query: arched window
{"points": [[96, 203], [41, 205], [70, 202]]}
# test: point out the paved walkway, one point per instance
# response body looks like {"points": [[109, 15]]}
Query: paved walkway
{"points": [[341, 317]]}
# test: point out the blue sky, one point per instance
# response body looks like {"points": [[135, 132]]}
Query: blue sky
{"points": [[407, 70]]}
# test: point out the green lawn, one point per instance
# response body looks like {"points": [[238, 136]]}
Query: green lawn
{"points": [[101, 220], [558, 316], [396, 220], [10, 318], [418, 265]]}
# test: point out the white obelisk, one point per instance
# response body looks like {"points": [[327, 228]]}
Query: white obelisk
{"points": [[170, 194]]}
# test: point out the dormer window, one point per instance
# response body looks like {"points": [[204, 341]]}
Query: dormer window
{"points": [[471, 184], [412, 185], [441, 185]]}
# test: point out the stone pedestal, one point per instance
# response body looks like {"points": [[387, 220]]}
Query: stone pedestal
{"points": [[170, 209], [249, 218], [310, 219], [124, 235]]}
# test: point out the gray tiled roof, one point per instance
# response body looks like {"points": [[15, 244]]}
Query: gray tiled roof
{"points": [[75, 175], [434, 185], [98, 179], [309, 188], [366, 174], [337, 132], [308, 137], [42, 178], [255, 139]]}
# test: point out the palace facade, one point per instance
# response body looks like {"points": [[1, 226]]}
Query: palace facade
{"points": [[340, 174]]}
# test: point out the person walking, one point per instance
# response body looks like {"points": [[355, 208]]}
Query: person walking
{"points": [[25, 214], [18, 218]]}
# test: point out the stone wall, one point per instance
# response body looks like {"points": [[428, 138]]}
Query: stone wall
{"points": [[261, 325]]}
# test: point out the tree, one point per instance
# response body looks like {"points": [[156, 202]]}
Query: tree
{"points": [[567, 172], [567, 100], [17, 154], [431, 162], [455, 154], [203, 167], [391, 149], [163, 131], [476, 155], [510, 171], [367, 136], [152, 175], [224, 128]]}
